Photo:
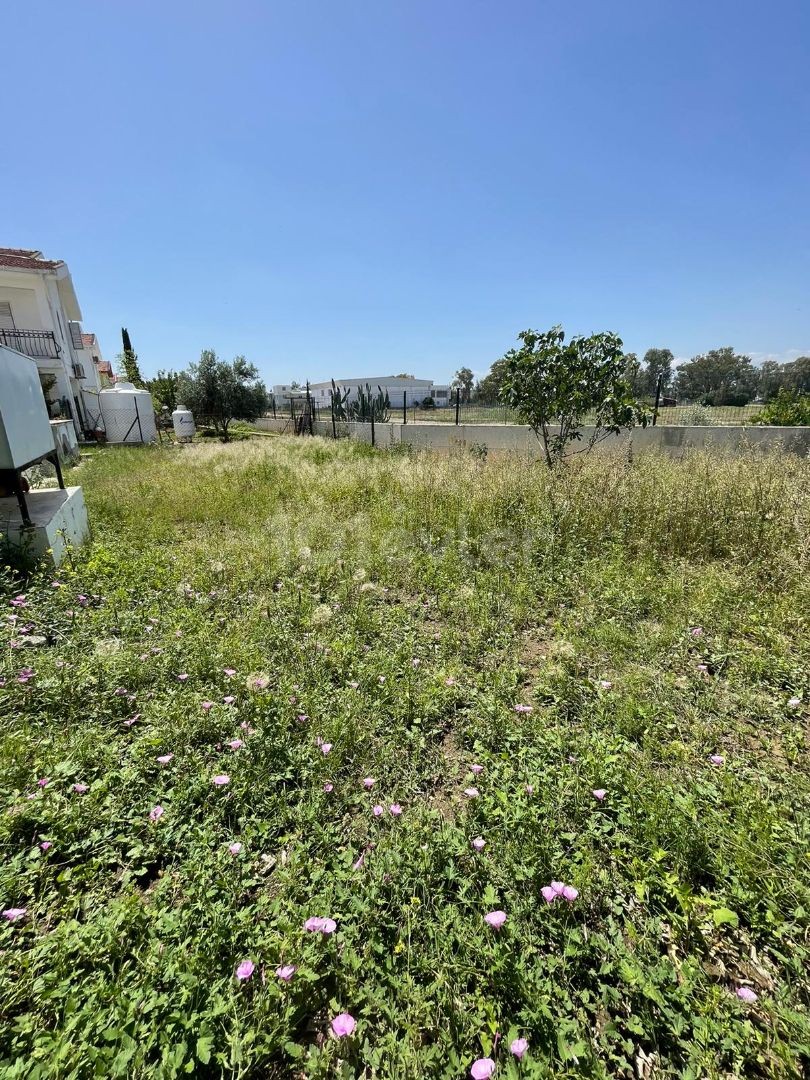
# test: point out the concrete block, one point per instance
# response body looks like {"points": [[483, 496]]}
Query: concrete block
{"points": [[58, 518]]}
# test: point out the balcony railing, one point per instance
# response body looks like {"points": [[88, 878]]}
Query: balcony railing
{"points": [[34, 343]]}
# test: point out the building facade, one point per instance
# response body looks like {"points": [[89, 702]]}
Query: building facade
{"points": [[41, 318], [401, 389]]}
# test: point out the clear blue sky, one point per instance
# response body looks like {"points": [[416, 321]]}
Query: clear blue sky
{"points": [[336, 187]]}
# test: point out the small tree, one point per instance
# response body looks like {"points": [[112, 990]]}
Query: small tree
{"points": [[219, 393], [555, 388], [128, 360], [163, 389], [463, 382]]}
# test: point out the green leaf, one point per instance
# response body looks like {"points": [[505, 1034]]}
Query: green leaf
{"points": [[203, 1051], [723, 915]]}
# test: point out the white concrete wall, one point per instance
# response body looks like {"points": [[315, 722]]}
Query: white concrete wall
{"points": [[516, 439]]}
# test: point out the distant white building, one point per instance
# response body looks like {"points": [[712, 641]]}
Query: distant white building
{"points": [[399, 389], [40, 317]]}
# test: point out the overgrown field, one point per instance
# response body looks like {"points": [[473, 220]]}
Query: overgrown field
{"points": [[597, 679]]}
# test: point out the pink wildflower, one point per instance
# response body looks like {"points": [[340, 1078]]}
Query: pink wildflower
{"points": [[327, 787], [80, 788], [369, 783], [794, 702], [343, 1025], [523, 708], [717, 759], [206, 705], [245, 970], [318, 925], [156, 813], [229, 671], [482, 1069], [605, 684], [472, 792], [450, 681], [182, 678], [326, 747], [479, 843], [519, 1047], [221, 780], [14, 914], [235, 744], [164, 759], [476, 769], [529, 789], [43, 781], [25, 675], [229, 699], [395, 809], [599, 793], [495, 919], [46, 844], [235, 848], [377, 811], [696, 631], [746, 994], [286, 972]]}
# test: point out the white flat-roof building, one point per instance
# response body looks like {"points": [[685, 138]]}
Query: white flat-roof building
{"points": [[400, 388]]}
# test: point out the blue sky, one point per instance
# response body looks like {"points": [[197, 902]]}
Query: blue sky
{"points": [[355, 188]]}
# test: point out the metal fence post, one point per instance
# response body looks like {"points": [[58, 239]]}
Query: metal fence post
{"points": [[274, 406], [458, 402], [404, 406], [657, 398]]}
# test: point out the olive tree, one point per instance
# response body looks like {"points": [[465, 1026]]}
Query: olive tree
{"points": [[557, 387], [219, 393]]}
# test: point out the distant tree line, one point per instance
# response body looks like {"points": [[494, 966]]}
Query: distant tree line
{"points": [[718, 377]]}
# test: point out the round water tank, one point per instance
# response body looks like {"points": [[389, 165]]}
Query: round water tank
{"points": [[128, 414], [183, 423]]}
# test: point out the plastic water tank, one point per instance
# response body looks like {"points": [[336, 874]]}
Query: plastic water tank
{"points": [[183, 423], [128, 414]]}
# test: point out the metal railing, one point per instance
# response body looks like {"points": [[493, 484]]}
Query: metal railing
{"points": [[33, 343]]}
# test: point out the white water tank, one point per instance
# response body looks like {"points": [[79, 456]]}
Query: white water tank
{"points": [[25, 430], [183, 423], [128, 414]]}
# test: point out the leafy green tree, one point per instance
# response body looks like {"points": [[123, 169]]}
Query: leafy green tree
{"points": [[403, 375], [128, 360], [656, 362], [463, 382], [788, 409], [488, 389], [219, 393], [797, 375], [771, 379], [163, 389], [556, 387], [718, 377]]}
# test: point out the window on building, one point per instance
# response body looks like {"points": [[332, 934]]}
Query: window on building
{"points": [[76, 334], [440, 393], [6, 318]]}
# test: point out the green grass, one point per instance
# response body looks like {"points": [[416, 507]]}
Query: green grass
{"points": [[403, 604]]}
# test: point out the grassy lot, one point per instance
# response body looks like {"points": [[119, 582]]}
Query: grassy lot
{"points": [[299, 617]]}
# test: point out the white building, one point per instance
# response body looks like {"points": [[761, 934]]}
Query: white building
{"points": [[40, 317], [396, 386]]}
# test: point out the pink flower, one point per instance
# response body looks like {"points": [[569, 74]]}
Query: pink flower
{"points": [[259, 682], [229, 699], [479, 843], [557, 889], [696, 631], [46, 844], [206, 705], [156, 813], [80, 788], [476, 769], [245, 726], [301, 718], [14, 914], [82, 600], [599, 793], [229, 671], [519, 1047], [18, 601], [25, 675], [529, 789], [56, 584], [522, 709], [482, 1069], [377, 811], [794, 702], [746, 994], [326, 747], [450, 681], [327, 787], [717, 759], [495, 919], [605, 684], [121, 691], [221, 780], [182, 678], [245, 970], [569, 893], [395, 809], [43, 781], [318, 925], [235, 848], [235, 744], [369, 783], [548, 894], [343, 1025], [286, 972], [164, 759], [472, 792], [132, 720]]}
